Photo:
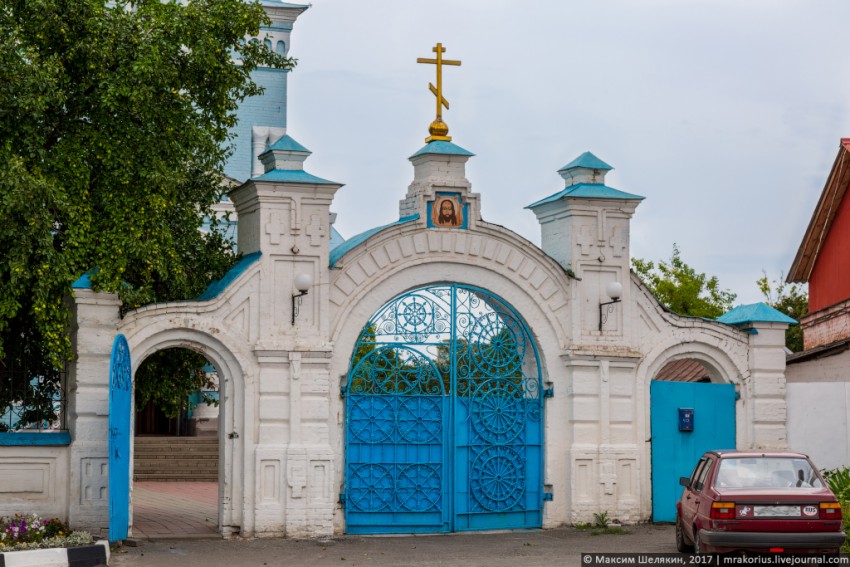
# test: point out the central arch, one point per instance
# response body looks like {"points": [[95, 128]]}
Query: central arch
{"points": [[444, 424]]}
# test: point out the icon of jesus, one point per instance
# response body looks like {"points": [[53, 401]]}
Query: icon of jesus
{"points": [[447, 213]]}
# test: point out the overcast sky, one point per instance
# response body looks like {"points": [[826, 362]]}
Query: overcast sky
{"points": [[725, 114]]}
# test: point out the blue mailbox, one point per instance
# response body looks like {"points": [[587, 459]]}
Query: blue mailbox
{"points": [[686, 419]]}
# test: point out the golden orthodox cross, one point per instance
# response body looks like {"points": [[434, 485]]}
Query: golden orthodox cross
{"points": [[438, 129]]}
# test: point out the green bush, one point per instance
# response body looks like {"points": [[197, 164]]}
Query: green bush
{"points": [[839, 482]]}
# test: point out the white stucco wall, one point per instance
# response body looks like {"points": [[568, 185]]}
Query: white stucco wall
{"points": [[820, 387]]}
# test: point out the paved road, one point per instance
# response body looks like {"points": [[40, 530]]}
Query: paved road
{"points": [[509, 549]]}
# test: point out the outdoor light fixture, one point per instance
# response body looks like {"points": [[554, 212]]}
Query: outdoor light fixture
{"points": [[303, 283], [614, 291]]}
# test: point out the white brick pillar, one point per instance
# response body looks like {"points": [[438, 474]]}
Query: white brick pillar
{"points": [[766, 387], [585, 227], [95, 318]]}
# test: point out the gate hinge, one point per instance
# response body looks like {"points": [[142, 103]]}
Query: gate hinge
{"points": [[549, 392], [548, 497], [342, 391], [341, 498]]}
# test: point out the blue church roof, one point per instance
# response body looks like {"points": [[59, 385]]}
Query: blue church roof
{"points": [[341, 250], [587, 160], [292, 176], [287, 143], [218, 286], [444, 148], [588, 191], [755, 313]]}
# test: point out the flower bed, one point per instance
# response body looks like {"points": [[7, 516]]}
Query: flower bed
{"points": [[20, 532]]}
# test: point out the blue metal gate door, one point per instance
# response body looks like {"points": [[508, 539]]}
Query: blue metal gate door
{"points": [[120, 410], [498, 425], [443, 417], [677, 444]]}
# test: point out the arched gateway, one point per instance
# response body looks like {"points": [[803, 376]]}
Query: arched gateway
{"points": [[433, 378], [444, 427], [403, 389]]}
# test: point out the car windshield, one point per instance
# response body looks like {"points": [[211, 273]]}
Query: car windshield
{"points": [[766, 472]]}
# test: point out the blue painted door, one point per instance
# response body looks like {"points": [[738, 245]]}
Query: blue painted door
{"points": [[444, 417], [675, 452], [120, 411]]}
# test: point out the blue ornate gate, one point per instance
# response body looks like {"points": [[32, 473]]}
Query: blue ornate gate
{"points": [[444, 417], [120, 410]]}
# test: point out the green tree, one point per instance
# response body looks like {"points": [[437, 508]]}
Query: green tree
{"points": [[791, 299], [681, 289], [167, 377], [114, 126]]}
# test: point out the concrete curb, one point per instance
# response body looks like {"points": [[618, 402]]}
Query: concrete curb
{"points": [[84, 556]]}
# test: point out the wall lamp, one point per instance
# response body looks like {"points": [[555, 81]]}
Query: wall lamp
{"points": [[303, 283], [615, 292]]}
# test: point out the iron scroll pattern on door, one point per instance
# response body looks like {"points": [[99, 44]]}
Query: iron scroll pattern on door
{"points": [[444, 417]]}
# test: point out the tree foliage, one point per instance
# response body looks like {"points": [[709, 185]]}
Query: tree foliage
{"points": [[791, 299], [681, 289], [114, 122], [168, 376]]}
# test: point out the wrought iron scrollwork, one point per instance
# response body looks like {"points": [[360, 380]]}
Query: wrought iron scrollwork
{"points": [[428, 355]]}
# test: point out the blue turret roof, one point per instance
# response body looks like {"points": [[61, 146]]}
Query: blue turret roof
{"points": [[288, 144], [444, 148], [84, 281], [588, 191], [587, 160], [292, 176], [755, 313], [279, 4]]}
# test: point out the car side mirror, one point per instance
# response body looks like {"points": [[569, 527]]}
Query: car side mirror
{"points": [[684, 481]]}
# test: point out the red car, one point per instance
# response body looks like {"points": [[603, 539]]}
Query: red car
{"points": [[757, 502]]}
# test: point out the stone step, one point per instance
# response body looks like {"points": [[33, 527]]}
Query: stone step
{"points": [[161, 458], [176, 465], [169, 452], [156, 477]]}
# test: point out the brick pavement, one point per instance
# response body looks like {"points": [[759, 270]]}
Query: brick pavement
{"points": [[175, 509]]}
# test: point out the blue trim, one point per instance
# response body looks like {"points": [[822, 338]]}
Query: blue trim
{"points": [[588, 161], [293, 176], [84, 281], [25, 438], [287, 143], [588, 191], [442, 148], [336, 239], [357, 240], [218, 286], [755, 313]]}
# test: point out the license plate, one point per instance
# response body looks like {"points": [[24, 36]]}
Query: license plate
{"points": [[777, 512]]}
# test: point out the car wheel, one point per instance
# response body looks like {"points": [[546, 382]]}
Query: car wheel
{"points": [[681, 545], [697, 542]]}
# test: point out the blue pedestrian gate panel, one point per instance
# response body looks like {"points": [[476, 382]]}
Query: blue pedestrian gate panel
{"points": [[120, 410], [687, 419], [444, 417]]}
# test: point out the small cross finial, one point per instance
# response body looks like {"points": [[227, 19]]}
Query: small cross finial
{"points": [[438, 129]]}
